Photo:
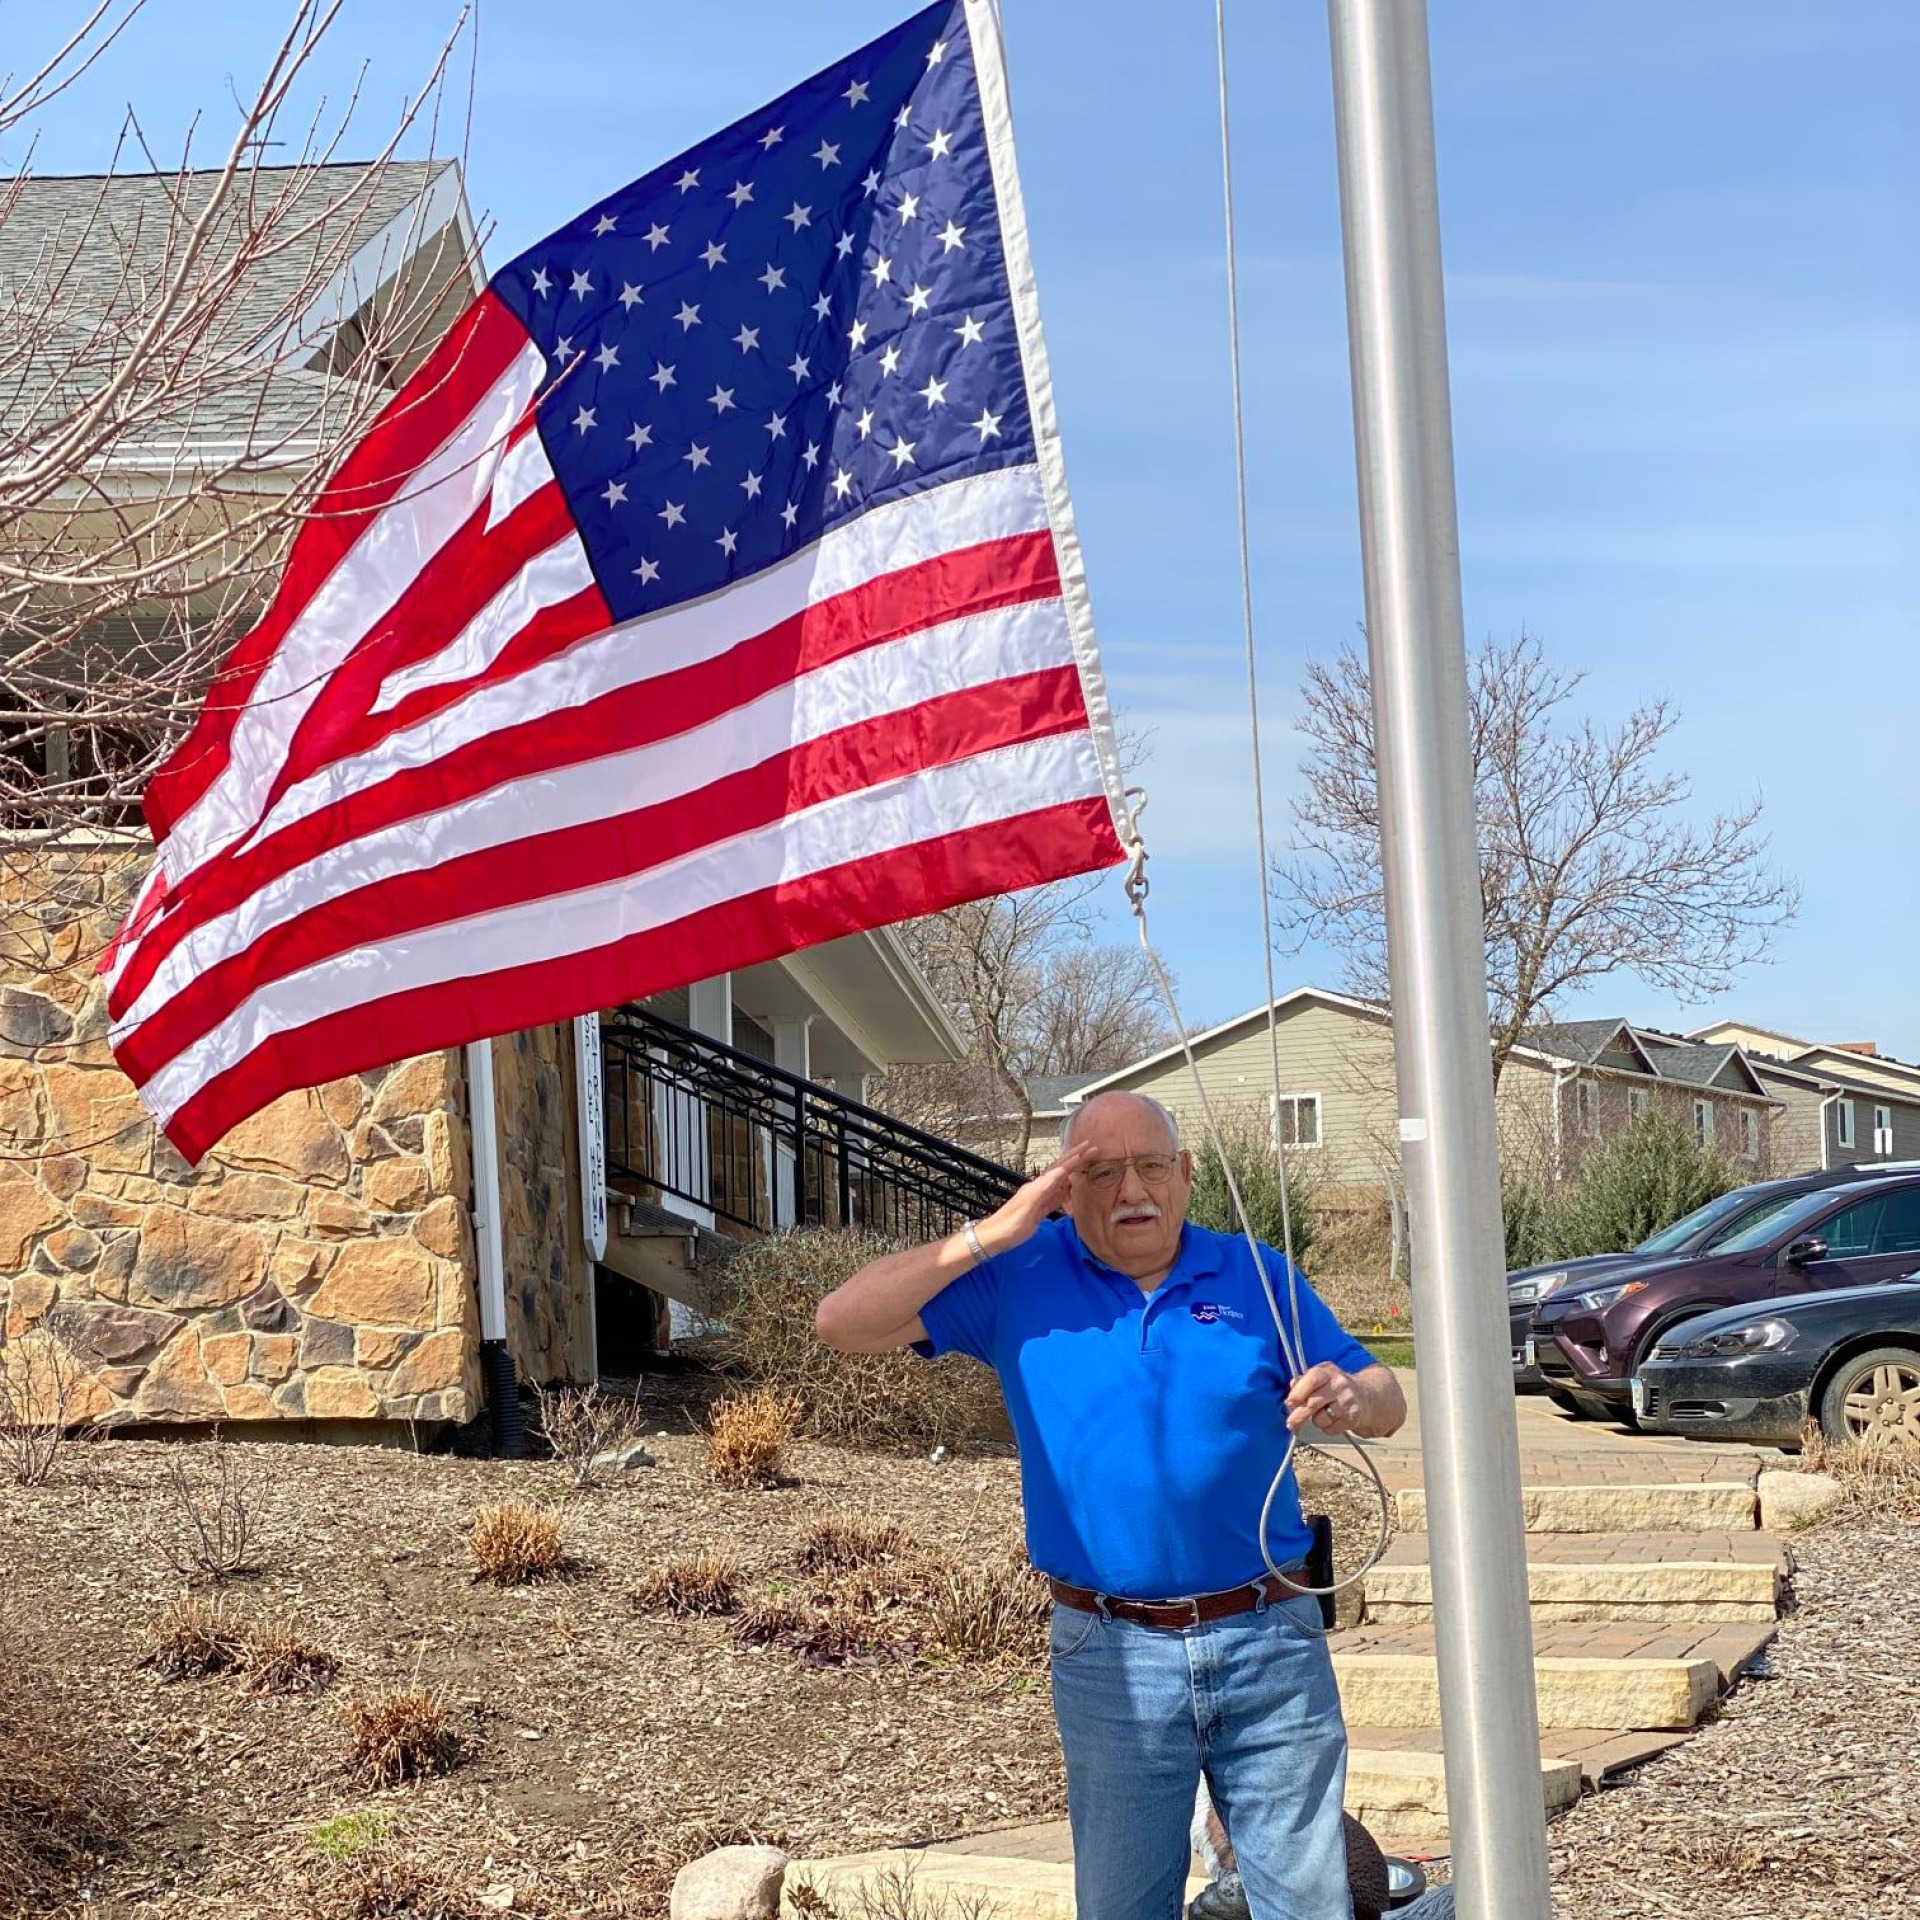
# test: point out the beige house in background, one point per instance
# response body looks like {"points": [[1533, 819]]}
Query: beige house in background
{"points": [[1572, 1085]]}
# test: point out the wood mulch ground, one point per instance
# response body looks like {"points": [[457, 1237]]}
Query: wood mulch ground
{"points": [[604, 1745], [1802, 1800]]}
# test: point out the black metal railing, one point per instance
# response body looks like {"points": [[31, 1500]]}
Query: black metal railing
{"points": [[761, 1148]]}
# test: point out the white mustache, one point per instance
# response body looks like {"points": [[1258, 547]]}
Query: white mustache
{"points": [[1145, 1211]]}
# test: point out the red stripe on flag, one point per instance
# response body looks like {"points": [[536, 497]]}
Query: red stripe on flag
{"points": [[979, 579], [1049, 844], [567, 859], [449, 591], [475, 351]]}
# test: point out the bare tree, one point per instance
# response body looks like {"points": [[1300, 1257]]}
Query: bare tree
{"points": [[185, 354], [1590, 862], [1035, 993]]}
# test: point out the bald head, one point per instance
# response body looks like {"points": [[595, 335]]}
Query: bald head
{"points": [[1092, 1119]]}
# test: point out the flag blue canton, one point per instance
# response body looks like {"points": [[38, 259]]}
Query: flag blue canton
{"points": [[792, 322]]}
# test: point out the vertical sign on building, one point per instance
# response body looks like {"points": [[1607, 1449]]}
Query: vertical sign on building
{"points": [[593, 1134]]}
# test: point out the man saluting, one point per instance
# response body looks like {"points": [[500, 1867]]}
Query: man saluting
{"points": [[1153, 1406]]}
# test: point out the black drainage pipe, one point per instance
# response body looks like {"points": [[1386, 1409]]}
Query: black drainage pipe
{"points": [[503, 1401]]}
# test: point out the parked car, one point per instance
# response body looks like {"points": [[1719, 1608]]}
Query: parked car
{"points": [[1850, 1360], [1588, 1339], [1692, 1233]]}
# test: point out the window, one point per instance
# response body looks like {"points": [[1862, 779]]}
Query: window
{"points": [[1642, 1102], [1703, 1122], [1843, 1123], [1297, 1124], [1883, 1133], [1749, 1134], [1586, 1103], [1889, 1224]]}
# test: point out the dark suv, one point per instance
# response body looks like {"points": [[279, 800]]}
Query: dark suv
{"points": [[1697, 1232], [1587, 1340]]}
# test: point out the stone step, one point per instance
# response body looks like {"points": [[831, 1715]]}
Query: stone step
{"points": [[901, 1880], [1708, 1506], [1402, 1792], [1578, 1577], [1584, 1676]]}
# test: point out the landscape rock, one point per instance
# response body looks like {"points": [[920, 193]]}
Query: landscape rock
{"points": [[1789, 1499], [623, 1459], [730, 1883]]}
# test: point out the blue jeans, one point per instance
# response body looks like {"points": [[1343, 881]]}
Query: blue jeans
{"points": [[1249, 1701]]}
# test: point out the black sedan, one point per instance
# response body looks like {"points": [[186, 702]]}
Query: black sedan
{"points": [[1848, 1359]]}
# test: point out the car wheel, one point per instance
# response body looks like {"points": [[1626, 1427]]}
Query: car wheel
{"points": [[1874, 1398], [1568, 1403]]}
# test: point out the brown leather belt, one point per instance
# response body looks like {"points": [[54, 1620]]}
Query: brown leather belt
{"points": [[1194, 1610]]}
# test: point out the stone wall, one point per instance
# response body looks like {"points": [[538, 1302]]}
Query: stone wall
{"points": [[549, 1278], [317, 1264]]}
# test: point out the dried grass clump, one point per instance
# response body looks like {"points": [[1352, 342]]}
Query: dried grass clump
{"points": [[377, 1888], [59, 1812], [748, 1436], [996, 1611], [840, 1541], [695, 1585], [1877, 1477], [400, 1736], [195, 1638], [514, 1543], [770, 1623], [280, 1658], [772, 1290], [893, 1893]]}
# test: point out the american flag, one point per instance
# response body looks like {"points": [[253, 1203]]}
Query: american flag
{"points": [[712, 592]]}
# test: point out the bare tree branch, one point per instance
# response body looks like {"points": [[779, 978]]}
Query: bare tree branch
{"points": [[1590, 864]]}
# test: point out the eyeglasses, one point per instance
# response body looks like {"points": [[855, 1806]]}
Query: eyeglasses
{"points": [[1154, 1168]]}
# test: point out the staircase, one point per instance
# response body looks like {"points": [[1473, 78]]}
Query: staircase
{"points": [[1650, 1598]]}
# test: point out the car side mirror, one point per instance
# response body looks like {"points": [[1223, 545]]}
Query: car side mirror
{"points": [[1803, 1253]]}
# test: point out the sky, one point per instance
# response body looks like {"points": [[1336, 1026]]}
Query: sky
{"points": [[1684, 311]]}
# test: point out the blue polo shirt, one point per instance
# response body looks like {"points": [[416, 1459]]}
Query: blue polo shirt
{"points": [[1150, 1424]]}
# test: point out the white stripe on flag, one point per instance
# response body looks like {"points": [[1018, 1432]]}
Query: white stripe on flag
{"points": [[547, 579], [901, 534], [365, 586], [990, 787], [950, 658]]}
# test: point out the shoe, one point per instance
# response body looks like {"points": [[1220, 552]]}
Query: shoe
{"points": [[1222, 1899]]}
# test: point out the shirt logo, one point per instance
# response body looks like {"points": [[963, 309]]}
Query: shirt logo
{"points": [[1208, 1311]]}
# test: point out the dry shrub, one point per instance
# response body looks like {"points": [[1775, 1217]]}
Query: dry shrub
{"points": [[770, 1623], [279, 1658], [996, 1611], [215, 1515], [864, 1399], [59, 1812], [1877, 1478], [40, 1387], [400, 1736], [886, 1588], [748, 1436], [581, 1426], [196, 1638], [514, 1543], [694, 1585], [843, 1540]]}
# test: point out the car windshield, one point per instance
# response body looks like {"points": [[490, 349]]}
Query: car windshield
{"points": [[1716, 1213], [1783, 1217]]}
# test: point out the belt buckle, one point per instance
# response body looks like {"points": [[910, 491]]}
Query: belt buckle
{"points": [[1192, 1603]]}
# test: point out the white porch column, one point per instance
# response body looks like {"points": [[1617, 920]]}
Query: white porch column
{"points": [[710, 1008], [792, 1053]]}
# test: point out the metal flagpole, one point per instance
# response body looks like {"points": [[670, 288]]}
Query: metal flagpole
{"points": [[1403, 435]]}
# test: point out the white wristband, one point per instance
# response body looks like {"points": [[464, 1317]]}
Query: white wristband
{"points": [[980, 1255]]}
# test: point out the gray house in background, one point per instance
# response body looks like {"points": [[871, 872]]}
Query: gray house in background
{"points": [[1841, 1102]]}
